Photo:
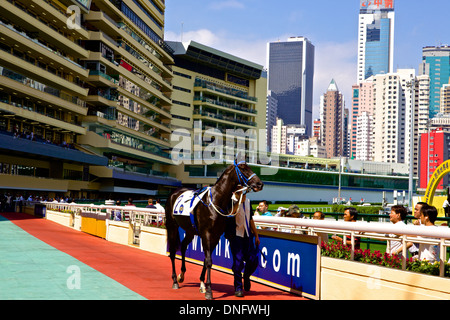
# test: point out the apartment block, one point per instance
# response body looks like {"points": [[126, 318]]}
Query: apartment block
{"points": [[216, 92], [85, 108]]}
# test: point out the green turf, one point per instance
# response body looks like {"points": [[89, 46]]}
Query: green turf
{"points": [[33, 270]]}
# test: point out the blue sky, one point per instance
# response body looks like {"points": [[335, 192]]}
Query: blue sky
{"points": [[244, 27]]}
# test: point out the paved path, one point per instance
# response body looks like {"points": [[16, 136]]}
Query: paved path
{"points": [[40, 259]]}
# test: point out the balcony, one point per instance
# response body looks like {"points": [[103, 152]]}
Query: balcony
{"points": [[237, 94], [9, 145], [229, 119]]}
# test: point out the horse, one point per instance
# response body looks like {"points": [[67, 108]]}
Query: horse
{"points": [[208, 218]]}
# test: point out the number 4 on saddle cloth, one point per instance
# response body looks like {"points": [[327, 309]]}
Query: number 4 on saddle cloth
{"points": [[187, 201]]}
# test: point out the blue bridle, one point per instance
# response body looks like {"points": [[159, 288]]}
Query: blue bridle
{"points": [[243, 180]]}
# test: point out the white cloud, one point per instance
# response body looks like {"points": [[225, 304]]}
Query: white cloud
{"points": [[333, 60]]}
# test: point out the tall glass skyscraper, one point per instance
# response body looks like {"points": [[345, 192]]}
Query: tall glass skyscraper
{"points": [[290, 77], [435, 64], [375, 38]]}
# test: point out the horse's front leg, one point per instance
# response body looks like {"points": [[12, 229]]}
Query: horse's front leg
{"points": [[202, 279], [208, 265]]}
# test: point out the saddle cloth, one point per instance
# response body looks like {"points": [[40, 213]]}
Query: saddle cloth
{"points": [[187, 201]]}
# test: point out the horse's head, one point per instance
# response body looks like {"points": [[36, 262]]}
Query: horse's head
{"points": [[246, 177]]}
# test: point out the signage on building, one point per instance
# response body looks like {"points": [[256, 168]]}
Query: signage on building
{"points": [[288, 261], [376, 4]]}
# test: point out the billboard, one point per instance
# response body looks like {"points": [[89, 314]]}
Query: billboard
{"points": [[372, 5], [287, 261]]}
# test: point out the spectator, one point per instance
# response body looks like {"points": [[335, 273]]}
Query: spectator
{"points": [[294, 212], [117, 215], [150, 204], [446, 206], [397, 216], [350, 215], [127, 214], [323, 237], [159, 207], [415, 248], [319, 215], [281, 212], [417, 208], [263, 209], [430, 252]]}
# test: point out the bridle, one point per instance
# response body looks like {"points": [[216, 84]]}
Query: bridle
{"points": [[243, 181]]}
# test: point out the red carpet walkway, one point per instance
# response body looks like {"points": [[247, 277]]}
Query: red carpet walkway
{"points": [[145, 273]]}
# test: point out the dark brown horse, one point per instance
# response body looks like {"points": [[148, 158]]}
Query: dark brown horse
{"points": [[209, 218]]}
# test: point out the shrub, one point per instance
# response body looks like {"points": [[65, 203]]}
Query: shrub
{"points": [[338, 250]]}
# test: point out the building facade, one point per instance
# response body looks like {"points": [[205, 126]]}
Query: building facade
{"points": [[375, 38], [219, 100], [291, 77], [362, 102], [332, 121], [434, 150], [396, 113], [435, 64], [85, 104]]}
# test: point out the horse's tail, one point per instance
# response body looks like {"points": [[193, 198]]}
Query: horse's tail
{"points": [[173, 237]]}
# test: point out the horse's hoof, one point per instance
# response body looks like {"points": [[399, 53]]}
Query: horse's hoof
{"points": [[180, 278], [202, 288], [175, 286], [208, 296]]}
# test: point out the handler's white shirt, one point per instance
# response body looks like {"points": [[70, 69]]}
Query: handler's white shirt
{"points": [[243, 219]]}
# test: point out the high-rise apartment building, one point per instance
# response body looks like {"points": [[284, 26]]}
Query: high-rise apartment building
{"points": [[219, 91], [85, 103], [375, 38], [435, 64], [362, 102], [332, 121], [396, 112], [290, 77], [364, 136]]}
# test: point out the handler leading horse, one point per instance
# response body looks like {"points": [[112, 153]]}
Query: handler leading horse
{"points": [[209, 218]]}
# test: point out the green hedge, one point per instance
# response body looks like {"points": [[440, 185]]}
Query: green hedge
{"points": [[367, 210]]}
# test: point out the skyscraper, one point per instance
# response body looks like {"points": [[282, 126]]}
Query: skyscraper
{"points": [[435, 64], [332, 121], [375, 38], [291, 75]]}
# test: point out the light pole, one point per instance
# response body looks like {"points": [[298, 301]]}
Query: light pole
{"points": [[410, 85]]}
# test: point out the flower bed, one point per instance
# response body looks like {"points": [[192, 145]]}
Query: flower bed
{"points": [[335, 249]]}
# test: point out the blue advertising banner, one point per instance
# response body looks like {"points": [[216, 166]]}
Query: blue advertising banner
{"points": [[288, 261]]}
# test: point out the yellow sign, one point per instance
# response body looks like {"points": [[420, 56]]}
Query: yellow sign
{"points": [[437, 176]]}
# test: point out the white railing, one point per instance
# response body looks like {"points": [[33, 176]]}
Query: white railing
{"points": [[374, 230], [140, 216]]}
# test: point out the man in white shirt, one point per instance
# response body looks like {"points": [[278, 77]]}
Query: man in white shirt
{"points": [[430, 252], [397, 215], [243, 249]]}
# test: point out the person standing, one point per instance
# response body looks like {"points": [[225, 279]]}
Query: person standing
{"points": [[243, 245], [397, 216], [430, 252], [350, 215], [150, 204], [263, 209]]}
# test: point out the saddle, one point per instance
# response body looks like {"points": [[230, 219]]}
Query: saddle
{"points": [[187, 201]]}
